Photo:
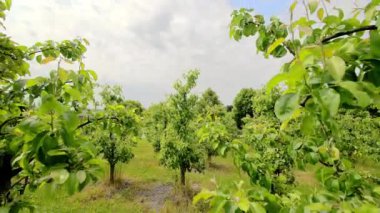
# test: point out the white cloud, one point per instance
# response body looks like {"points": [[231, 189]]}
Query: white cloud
{"points": [[146, 45]]}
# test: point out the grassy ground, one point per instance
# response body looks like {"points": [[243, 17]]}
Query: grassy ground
{"points": [[145, 186]]}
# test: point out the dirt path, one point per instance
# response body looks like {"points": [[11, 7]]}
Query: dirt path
{"points": [[155, 195]]}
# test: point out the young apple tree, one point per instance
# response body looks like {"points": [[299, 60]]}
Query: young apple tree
{"points": [[40, 142], [155, 124], [180, 148], [116, 129], [334, 65]]}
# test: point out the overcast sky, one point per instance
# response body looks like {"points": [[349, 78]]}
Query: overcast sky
{"points": [[145, 45]]}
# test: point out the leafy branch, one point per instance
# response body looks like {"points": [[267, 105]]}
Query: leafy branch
{"points": [[7, 121]]}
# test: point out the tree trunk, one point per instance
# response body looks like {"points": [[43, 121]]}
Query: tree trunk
{"points": [[209, 156], [5, 177], [112, 173], [183, 178]]}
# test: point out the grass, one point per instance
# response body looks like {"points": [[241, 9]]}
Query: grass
{"points": [[135, 188], [142, 185], [145, 167]]}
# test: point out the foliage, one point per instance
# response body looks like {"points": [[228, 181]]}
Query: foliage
{"points": [[263, 104], [215, 127], [232, 198], [180, 149], [155, 124], [40, 142], [359, 136], [237, 197], [262, 151], [115, 128], [208, 99], [242, 105], [137, 106], [335, 66], [213, 133]]}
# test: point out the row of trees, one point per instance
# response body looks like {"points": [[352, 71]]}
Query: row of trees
{"points": [[54, 131]]}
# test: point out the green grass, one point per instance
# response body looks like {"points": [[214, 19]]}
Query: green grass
{"points": [[145, 167], [141, 180], [134, 180]]}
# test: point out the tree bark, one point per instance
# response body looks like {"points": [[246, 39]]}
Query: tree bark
{"points": [[209, 158], [183, 176], [340, 34], [6, 175], [112, 173]]}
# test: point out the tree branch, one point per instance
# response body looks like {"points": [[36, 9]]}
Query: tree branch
{"points": [[340, 34], [41, 50], [303, 103], [97, 119], [88, 122], [289, 49], [9, 120]]}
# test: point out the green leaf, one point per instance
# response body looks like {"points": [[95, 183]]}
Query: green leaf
{"points": [[293, 6], [47, 60], [370, 10], [313, 5], [363, 99], [34, 81], [308, 125], [243, 204], [296, 73], [219, 205], [50, 104], [340, 12], [203, 195], [330, 100], [60, 175], [75, 94], [81, 176], [56, 152], [39, 59], [70, 120], [375, 43], [334, 185], [286, 105], [324, 173], [63, 75], [72, 184], [275, 81], [86, 41], [313, 157], [336, 67], [320, 14], [257, 207], [8, 4], [273, 46], [93, 74]]}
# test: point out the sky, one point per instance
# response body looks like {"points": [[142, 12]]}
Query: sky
{"points": [[145, 45]]}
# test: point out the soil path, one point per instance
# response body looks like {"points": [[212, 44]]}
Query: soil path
{"points": [[155, 195]]}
